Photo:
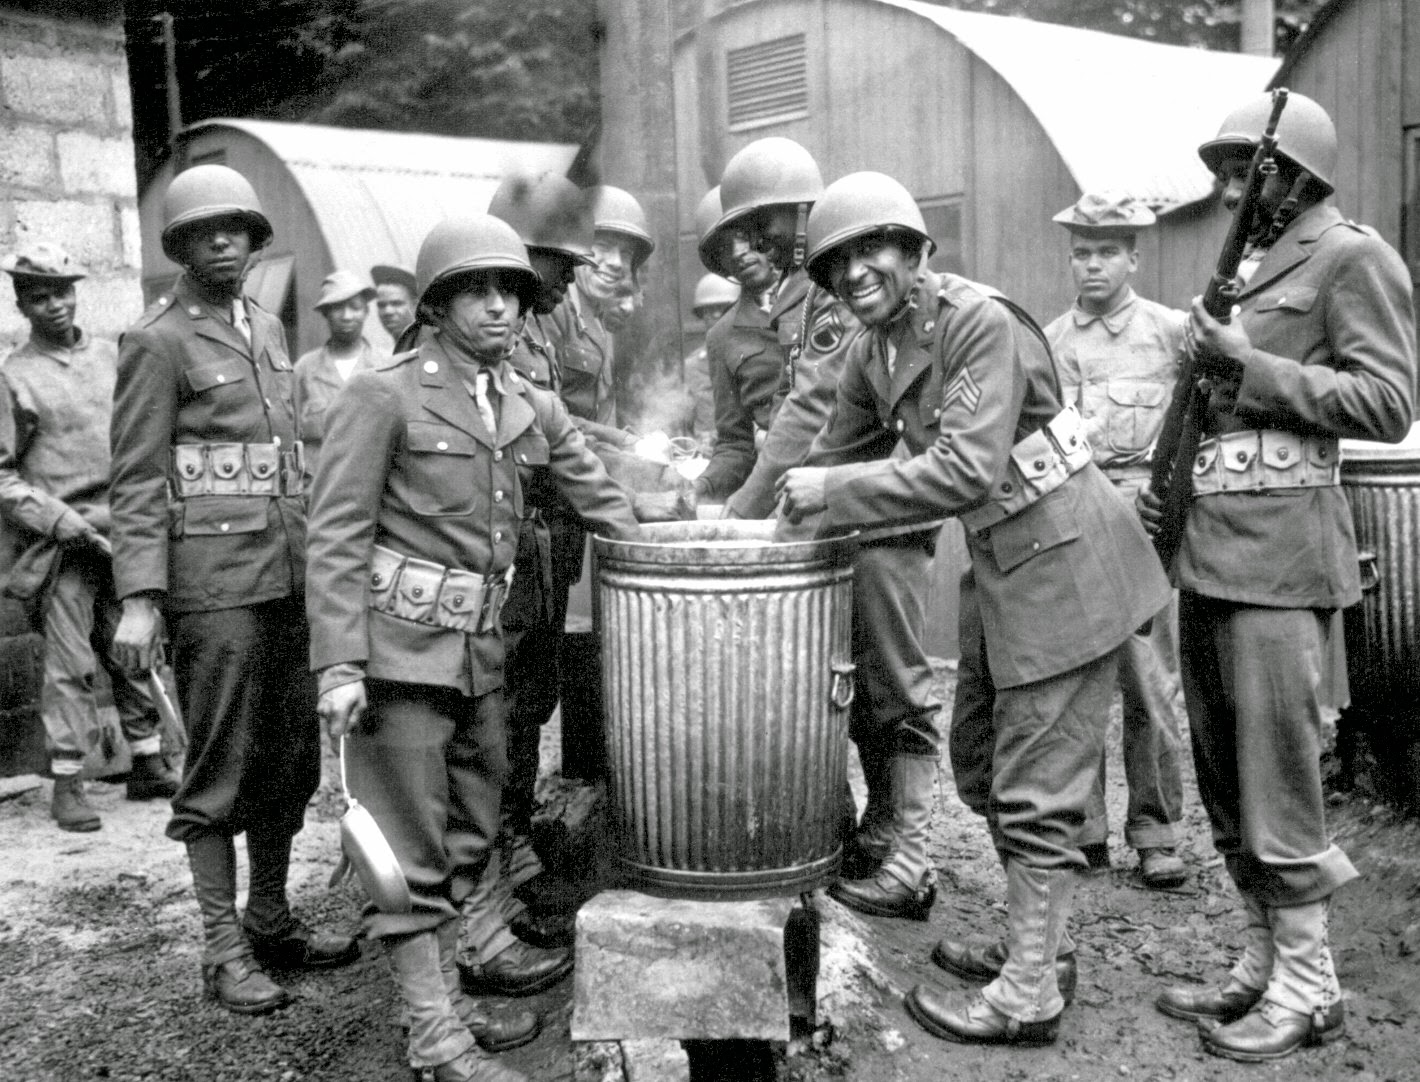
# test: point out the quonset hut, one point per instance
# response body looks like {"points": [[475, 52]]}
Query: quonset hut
{"points": [[993, 123], [338, 197]]}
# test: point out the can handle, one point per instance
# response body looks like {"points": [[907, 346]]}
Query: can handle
{"points": [[1370, 570], [843, 688]]}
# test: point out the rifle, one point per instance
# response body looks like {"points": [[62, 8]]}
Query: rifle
{"points": [[1171, 476]]}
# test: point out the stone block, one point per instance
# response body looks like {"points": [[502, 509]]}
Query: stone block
{"points": [[86, 230], [122, 100], [66, 91], [131, 229], [674, 969], [28, 160], [655, 1061], [108, 303], [91, 163]]}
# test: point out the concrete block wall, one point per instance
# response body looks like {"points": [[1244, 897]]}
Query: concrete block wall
{"points": [[66, 155]]}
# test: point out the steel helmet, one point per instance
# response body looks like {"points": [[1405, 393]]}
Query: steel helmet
{"points": [[211, 191], [615, 210], [548, 211], [766, 173], [854, 206], [712, 289], [707, 213], [473, 243], [1305, 135]]}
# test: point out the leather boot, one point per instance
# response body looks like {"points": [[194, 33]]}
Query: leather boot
{"points": [[229, 974], [983, 964], [1302, 1003], [906, 885], [494, 1033], [1244, 985], [151, 779], [872, 838], [70, 806], [518, 970], [277, 938]]}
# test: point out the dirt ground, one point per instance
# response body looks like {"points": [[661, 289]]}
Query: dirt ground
{"points": [[99, 945]]}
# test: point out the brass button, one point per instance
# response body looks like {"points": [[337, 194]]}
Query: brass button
{"points": [[376, 579], [194, 311], [1039, 464], [276, 440], [221, 378], [498, 495], [458, 600], [1282, 454], [1321, 454], [225, 527], [418, 591], [1035, 546], [1201, 462], [497, 535], [937, 412], [431, 366], [899, 424], [497, 456], [442, 445], [1242, 456], [927, 327], [1007, 487]]}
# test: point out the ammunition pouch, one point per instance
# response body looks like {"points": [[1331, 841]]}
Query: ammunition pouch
{"points": [[1039, 464], [1256, 460], [237, 469], [429, 593]]}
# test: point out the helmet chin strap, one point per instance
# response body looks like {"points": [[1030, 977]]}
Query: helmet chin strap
{"points": [[1286, 210], [801, 236]]}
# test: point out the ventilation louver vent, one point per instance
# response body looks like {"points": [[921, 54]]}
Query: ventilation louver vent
{"points": [[768, 82]]}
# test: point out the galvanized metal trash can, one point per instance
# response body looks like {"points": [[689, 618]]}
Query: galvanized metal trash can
{"points": [[1382, 484], [726, 659]]}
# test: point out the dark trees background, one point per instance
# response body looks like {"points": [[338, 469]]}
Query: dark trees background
{"points": [[518, 69]]}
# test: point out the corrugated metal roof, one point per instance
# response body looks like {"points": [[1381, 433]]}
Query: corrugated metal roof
{"points": [[376, 194], [1124, 114]]}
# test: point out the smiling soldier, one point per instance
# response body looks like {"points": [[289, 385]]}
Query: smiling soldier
{"points": [[1061, 570]]}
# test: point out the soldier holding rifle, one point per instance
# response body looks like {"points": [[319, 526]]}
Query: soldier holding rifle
{"points": [[1320, 345]]}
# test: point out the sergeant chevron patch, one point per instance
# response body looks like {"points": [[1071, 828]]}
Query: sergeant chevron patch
{"points": [[827, 330], [962, 389]]}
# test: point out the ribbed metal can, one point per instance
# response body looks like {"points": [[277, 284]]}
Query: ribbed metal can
{"points": [[1382, 484], [726, 658]]}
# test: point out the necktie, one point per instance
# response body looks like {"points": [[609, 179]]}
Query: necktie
{"points": [[239, 319], [484, 404]]}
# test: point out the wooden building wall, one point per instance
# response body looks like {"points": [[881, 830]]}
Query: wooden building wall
{"points": [[295, 231], [1356, 68]]}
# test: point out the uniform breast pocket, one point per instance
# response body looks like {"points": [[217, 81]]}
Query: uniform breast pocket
{"points": [[581, 369], [212, 377], [1136, 410], [439, 469], [222, 516]]}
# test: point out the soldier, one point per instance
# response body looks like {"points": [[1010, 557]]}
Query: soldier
{"points": [[743, 355], [209, 534], [713, 297], [1117, 354], [767, 189], [394, 298], [620, 246], [344, 303], [414, 526], [1322, 347], [1061, 573], [56, 395]]}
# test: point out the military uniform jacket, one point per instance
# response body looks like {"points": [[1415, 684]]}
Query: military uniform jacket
{"points": [[1118, 370], [814, 330], [1060, 583], [317, 382], [583, 351], [746, 364], [1331, 320], [186, 375], [411, 466], [54, 419]]}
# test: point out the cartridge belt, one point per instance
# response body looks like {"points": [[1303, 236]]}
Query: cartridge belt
{"points": [[237, 469], [430, 593], [1039, 464], [1258, 459]]}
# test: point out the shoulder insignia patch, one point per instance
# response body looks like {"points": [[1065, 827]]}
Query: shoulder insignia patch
{"points": [[963, 389]]}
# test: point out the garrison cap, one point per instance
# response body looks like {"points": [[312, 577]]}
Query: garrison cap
{"points": [[42, 260], [389, 274], [341, 285], [1103, 214]]}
